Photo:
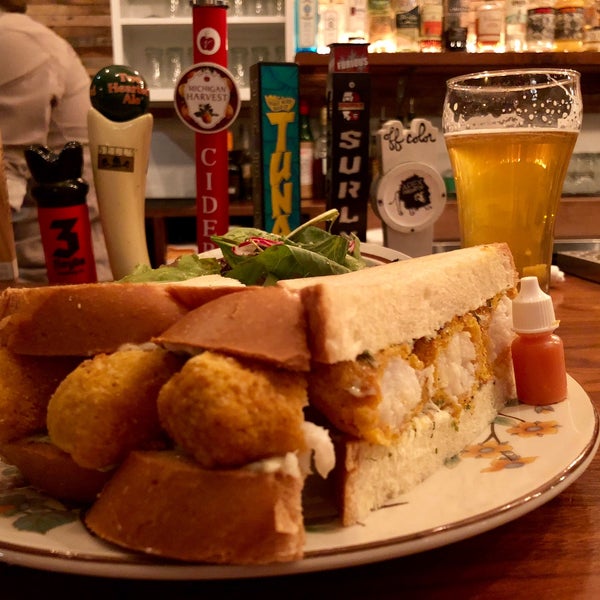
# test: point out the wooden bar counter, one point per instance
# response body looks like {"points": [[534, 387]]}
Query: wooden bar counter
{"points": [[552, 552]]}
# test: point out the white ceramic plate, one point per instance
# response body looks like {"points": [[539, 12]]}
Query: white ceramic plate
{"points": [[525, 458]]}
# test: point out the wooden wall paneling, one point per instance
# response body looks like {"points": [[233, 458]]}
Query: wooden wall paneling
{"points": [[84, 23]]}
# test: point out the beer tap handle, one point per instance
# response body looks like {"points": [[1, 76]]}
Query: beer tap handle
{"points": [[120, 132], [61, 197], [410, 194]]}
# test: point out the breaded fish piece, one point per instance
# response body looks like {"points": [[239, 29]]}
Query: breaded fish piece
{"points": [[374, 397], [107, 406], [25, 389], [227, 412], [363, 398]]}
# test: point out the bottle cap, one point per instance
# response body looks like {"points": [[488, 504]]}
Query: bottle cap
{"points": [[532, 309]]}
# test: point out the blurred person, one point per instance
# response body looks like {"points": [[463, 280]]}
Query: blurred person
{"points": [[44, 99]]}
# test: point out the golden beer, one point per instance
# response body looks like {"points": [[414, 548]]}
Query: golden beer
{"points": [[510, 135], [508, 186]]}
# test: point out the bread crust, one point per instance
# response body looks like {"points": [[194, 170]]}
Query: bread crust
{"points": [[28, 383], [195, 292], [165, 504], [85, 319], [396, 303], [370, 476], [265, 324], [52, 471]]}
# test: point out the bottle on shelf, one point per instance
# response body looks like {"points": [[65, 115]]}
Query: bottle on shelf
{"points": [[307, 152], [472, 25], [246, 163], [356, 19], [516, 25], [455, 25], [306, 25], [331, 24], [320, 157], [411, 114], [490, 23], [569, 20], [540, 25], [234, 171], [407, 25], [382, 28], [591, 34], [430, 34]]}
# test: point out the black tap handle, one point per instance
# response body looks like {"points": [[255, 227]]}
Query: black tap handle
{"points": [[57, 177]]}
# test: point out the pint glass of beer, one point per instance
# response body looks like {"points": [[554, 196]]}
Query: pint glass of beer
{"points": [[510, 135]]}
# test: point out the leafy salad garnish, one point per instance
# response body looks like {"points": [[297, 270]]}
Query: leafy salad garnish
{"points": [[184, 267], [256, 257]]}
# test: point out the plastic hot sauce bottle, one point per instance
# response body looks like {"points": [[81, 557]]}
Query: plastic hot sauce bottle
{"points": [[537, 352]]}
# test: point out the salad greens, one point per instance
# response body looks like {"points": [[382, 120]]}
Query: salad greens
{"points": [[185, 267], [256, 257]]}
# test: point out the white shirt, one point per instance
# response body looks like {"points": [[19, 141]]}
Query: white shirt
{"points": [[44, 99], [44, 92]]}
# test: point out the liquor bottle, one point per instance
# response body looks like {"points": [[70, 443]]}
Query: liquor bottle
{"points": [[306, 25], [569, 19], [382, 29], [591, 34], [490, 23], [430, 35], [411, 111], [456, 25], [320, 158], [356, 20], [472, 25], [540, 25], [246, 164], [516, 25], [234, 170], [407, 25], [307, 153], [331, 23]]}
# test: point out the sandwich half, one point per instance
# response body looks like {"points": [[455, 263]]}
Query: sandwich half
{"points": [[229, 488], [410, 361], [401, 365]]}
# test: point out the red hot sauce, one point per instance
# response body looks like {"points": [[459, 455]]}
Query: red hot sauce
{"points": [[537, 352]]}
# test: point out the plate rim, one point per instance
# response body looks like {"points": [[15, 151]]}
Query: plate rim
{"points": [[134, 566]]}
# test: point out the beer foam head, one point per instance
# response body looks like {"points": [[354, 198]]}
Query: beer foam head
{"points": [[513, 98]]}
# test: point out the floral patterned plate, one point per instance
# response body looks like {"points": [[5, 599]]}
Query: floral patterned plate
{"points": [[526, 457]]}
